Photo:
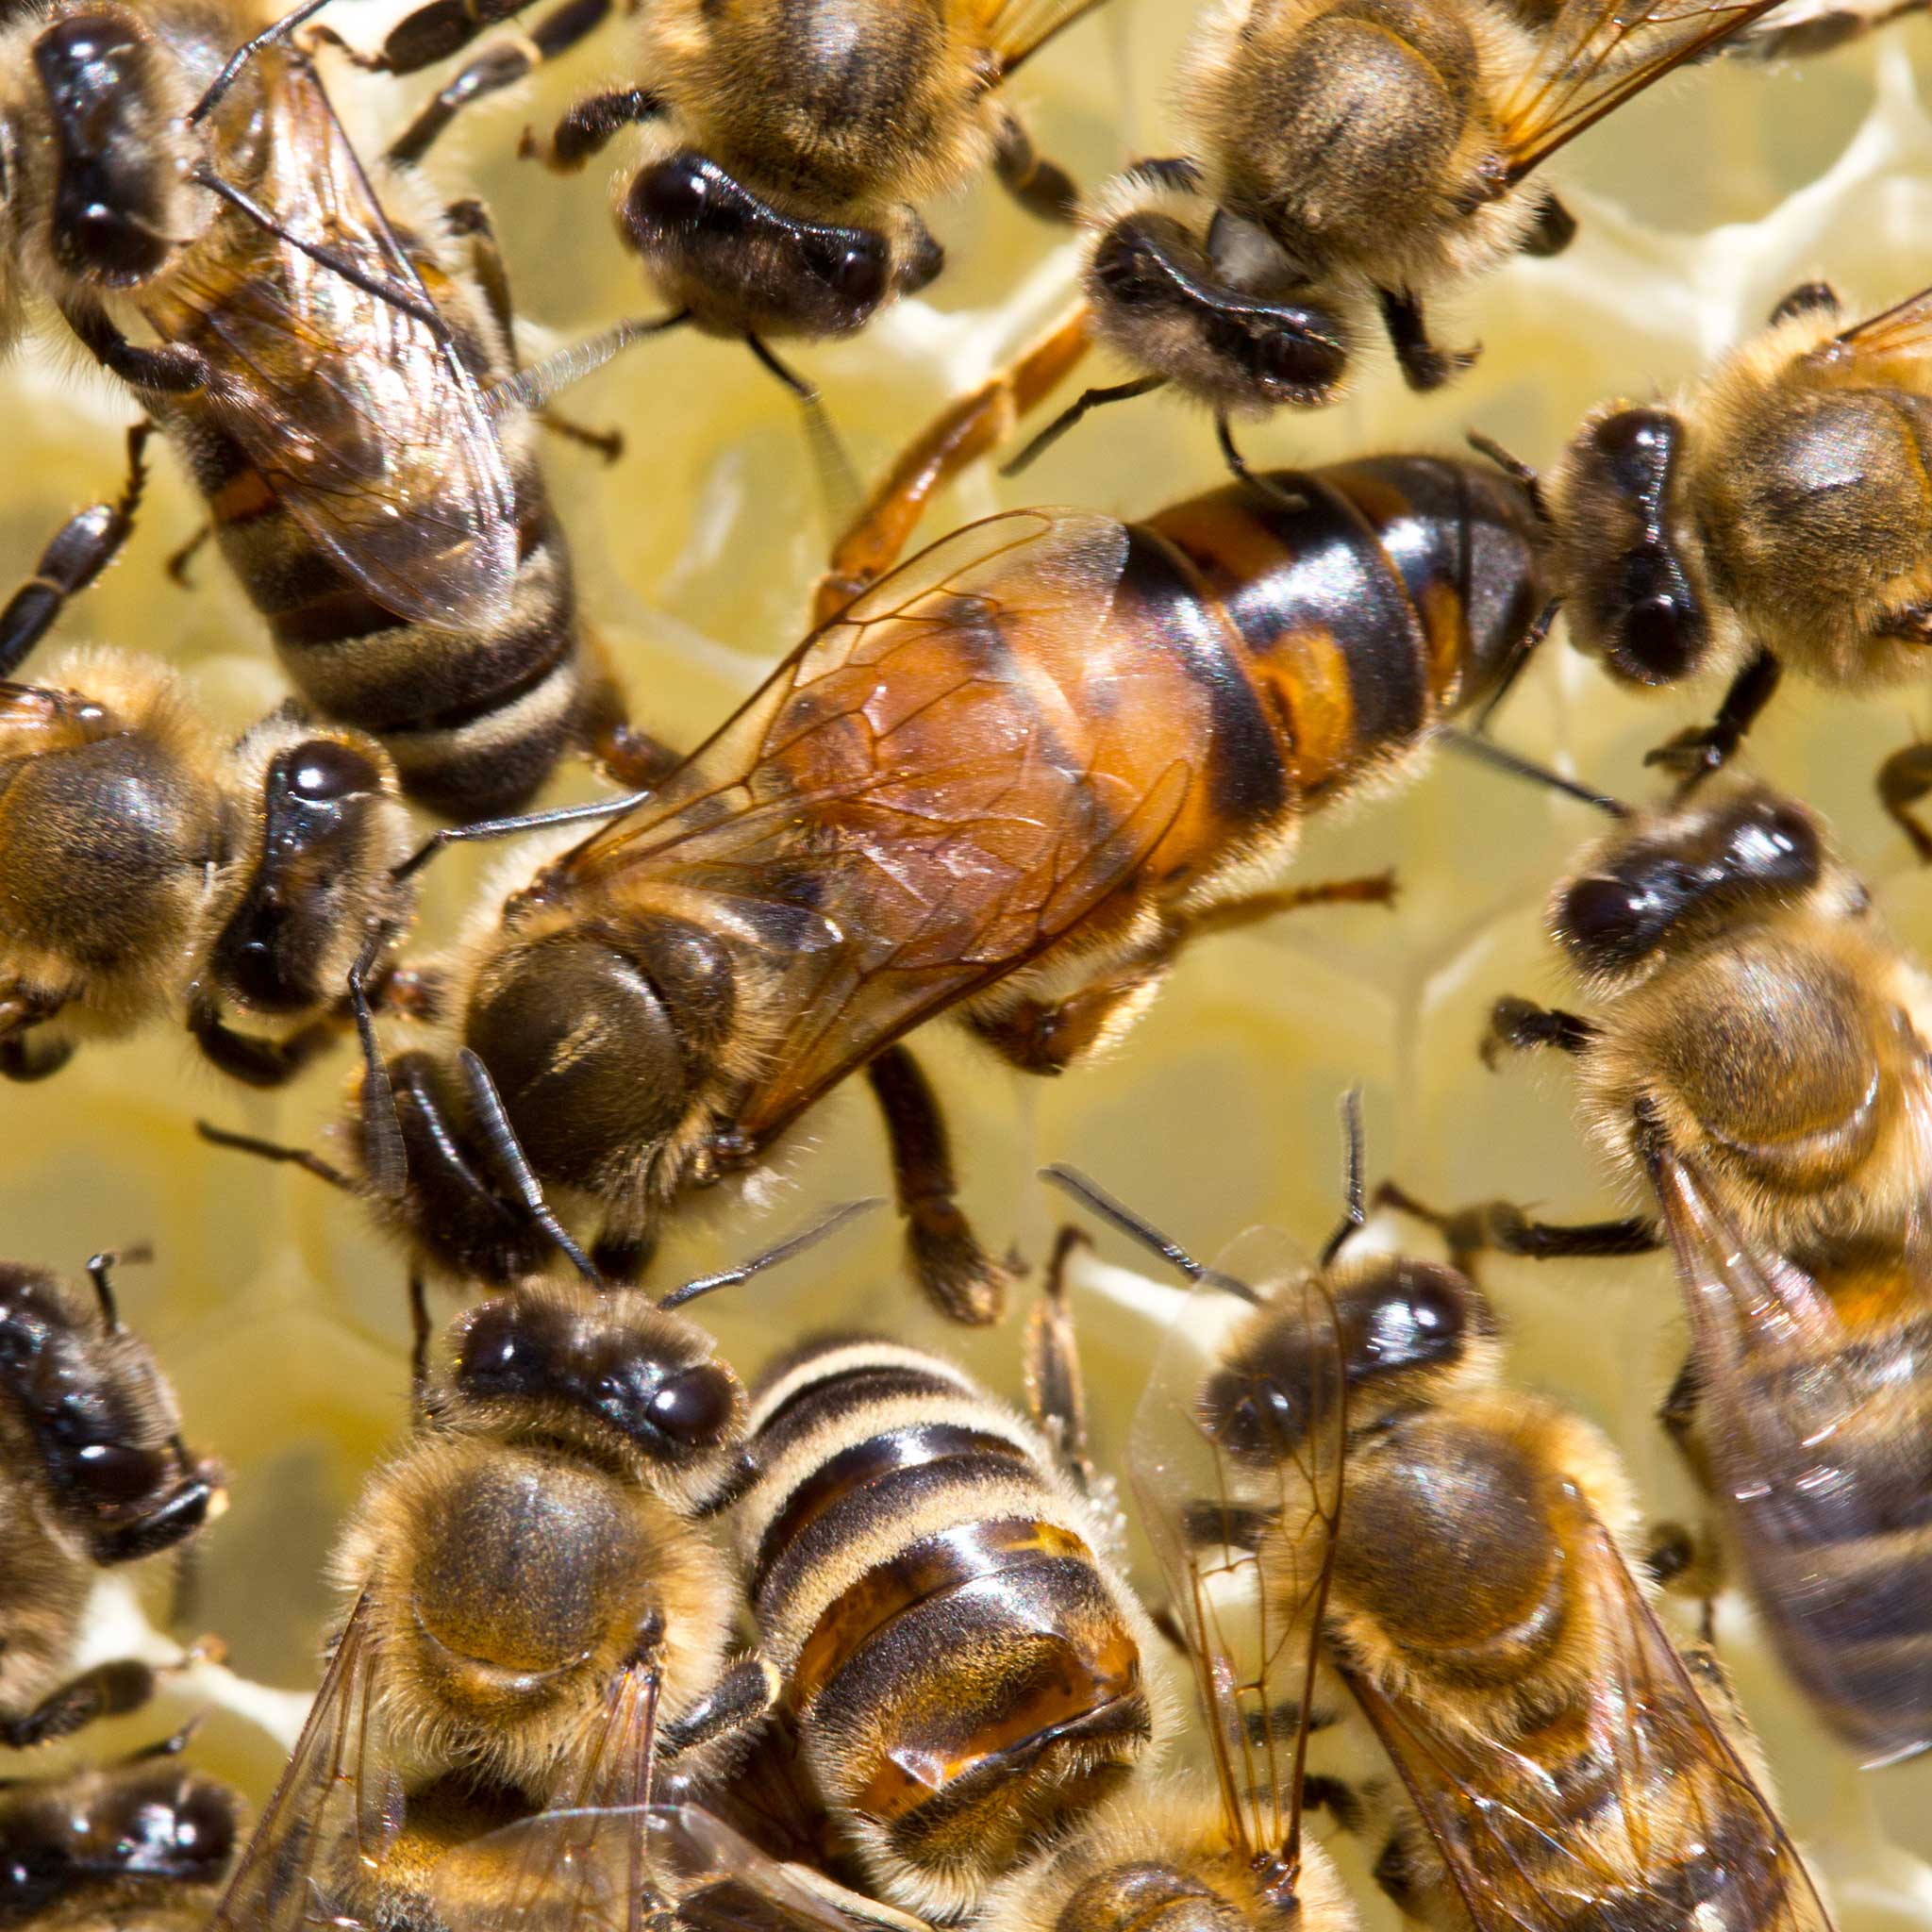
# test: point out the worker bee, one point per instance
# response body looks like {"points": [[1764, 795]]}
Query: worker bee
{"points": [[1759, 1059], [151, 870], [92, 1473], [535, 1614], [785, 150], [1769, 518], [141, 1841], [1562, 1765], [1012, 779], [950, 1722], [322, 373]]}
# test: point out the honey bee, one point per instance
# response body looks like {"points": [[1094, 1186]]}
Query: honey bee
{"points": [[1759, 1060], [141, 1841], [1563, 1764], [785, 150], [92, 1473], [1013, 779], [536, 1615], [322, 372], [1770, 517], [965, 1666], [152, 870]]}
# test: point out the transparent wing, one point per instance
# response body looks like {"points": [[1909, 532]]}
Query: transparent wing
{"points": [[1900, 333], [1669, 1807], [1015, 30], [1818, 1456], [1236, 1461], [616, 1870], [366, 431], [1596, 55], [892, 819], [333, 1814]]}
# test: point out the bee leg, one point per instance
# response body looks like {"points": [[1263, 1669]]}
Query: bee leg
{"points": [[956, 1272], [1520, 1026], [1073, 413], [1514, 466], [1905, 779], [82, 548], [1465, 1231], [495, 68], [1040, 186], [1553, 230], [1807, 298], [109, 1690], [421, 1333], [740, 1699], [963, 432], [1056, 1390], [1270, 493], [244, 1057], [587, 128], [170, 369], [1694, 756], [1049, 1036], [178, 561], [1423, 365], [852, 1905]]}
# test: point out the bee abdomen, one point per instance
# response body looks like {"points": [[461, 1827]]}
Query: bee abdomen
{"points": [[958, 1657], [1370, 600]]}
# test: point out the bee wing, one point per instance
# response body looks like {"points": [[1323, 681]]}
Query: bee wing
{"points": [[619, 1868], [332, 1813], [1238, 1479], [1902, 331], [1596, 55], [1015, 30], [1784, 1391], [1533, 1851], [890, 818], [368, 433]]}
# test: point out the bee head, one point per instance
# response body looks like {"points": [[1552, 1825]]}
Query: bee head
{"points": [[330, 827], [598, 1036], [1636, 595], [613, 1359], [100, 1420], [1398, 1321], [1648, 889], [742, 266], [1226, 319], [115, 102]]}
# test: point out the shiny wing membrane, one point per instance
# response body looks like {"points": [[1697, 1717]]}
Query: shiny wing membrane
{"points": [[1596, 55], [1015, 30], [333, 1814], [1238, 1478], [894, 817], [1533, 1851], [370, 434], [619, 1870], [1900, 333], [1786, 1391]]}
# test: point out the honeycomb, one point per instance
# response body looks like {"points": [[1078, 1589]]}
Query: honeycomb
{"points": [[281, 1318]]}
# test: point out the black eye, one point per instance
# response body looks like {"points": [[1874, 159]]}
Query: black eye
{"points": [[673, 194], [1419, 1316], [1298, 361], [496, 1355], [853, 268], [1636, 448], [111, 1473], [1772, 842], [1659, 631], [324, 769], [922, 267], [694, 1407]]}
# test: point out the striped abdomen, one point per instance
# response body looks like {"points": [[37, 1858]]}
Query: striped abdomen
{"points": [[963, 1665], [1841, 1565], [473, 717]]}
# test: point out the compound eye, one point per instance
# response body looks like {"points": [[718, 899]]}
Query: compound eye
{"points": [[693, 1408], [922, 267], [1299, 362], [1128, 272], [1659, 637], [324, 769], [496, 1353], [113, 1473], [1774, 841], [674, 193], [853, 268]]}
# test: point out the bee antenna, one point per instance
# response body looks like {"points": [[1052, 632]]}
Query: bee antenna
{"points": [[807, 1236], [532, 388], [1521, 766], [1354, 1215], [97, 1267], [516, 1164], [1070, 1180], [838, 479], [274, 1150], [1086, 400], [385, 1159], [509, 827]]}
